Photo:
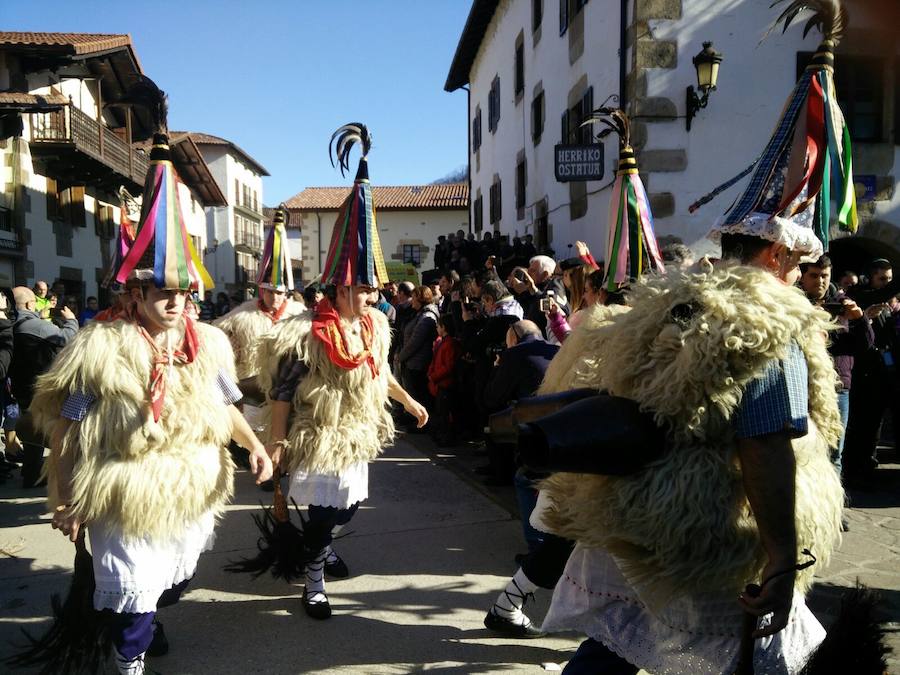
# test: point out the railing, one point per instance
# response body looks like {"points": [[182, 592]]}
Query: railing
{"points": [[71, 125], [250, 239]]}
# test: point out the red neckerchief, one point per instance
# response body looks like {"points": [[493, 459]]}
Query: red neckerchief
{"points": [[327, 327], [275, 316], [184, 354]]}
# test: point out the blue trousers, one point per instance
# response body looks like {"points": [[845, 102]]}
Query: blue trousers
{"points": [[133, 633], [592, 658], [843, 399]]}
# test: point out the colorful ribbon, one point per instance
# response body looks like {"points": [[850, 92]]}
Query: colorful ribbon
{"points": [[162, 232], [631, 236]]}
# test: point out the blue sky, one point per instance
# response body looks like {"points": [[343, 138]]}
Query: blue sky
{"points": [[278, 78]]}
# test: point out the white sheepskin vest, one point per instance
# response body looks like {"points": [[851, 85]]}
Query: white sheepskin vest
{"points": [[684, 523], [339, 416], [146, 479], [244, 325]]}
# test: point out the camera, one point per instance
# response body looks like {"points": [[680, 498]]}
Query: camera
{"points": [[495, 350], [545, 302], [834, 308]]}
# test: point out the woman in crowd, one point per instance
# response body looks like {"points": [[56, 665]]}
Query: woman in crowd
{"points": [[576, 274], [418, 338]]}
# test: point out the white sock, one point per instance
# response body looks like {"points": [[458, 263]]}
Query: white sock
{"points": [[330, 556], [512, 599], [315, 578], [133, 666]]}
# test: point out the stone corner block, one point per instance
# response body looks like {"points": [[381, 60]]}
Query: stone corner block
{"points": [[662, 160]]}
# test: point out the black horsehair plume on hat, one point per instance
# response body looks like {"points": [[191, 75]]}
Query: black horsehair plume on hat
{"points": [[147, 95], [613, 119], [828, 17], [346, 136]]}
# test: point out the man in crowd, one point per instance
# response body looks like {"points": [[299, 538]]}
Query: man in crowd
{"points": [[854, 335], [446, 283], [36, 344], [517, 372], [875, 378], [89, 312], [41, 299], [405, 314], [537, 284]]}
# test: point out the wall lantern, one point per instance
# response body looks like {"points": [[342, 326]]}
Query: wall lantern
{"points": [[707, 65]]}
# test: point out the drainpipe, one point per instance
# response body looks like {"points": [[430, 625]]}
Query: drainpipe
{"points": [[469, 152]]}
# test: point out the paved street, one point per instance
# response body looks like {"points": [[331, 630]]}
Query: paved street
{"points": [[428, 552]]}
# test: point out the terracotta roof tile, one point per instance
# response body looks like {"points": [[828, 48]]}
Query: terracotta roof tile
{"points": [[400, 197], [78, 43]]}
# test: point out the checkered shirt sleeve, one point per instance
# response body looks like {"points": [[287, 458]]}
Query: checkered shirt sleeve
{"points": [[290, 371], [77, 405], [778, 401], [230, 392]]}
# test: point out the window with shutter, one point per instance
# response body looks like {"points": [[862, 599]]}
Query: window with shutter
{"points": [[494, 105], [564, 131], [479, 213], [587, 105], [537, 117], [521, 184], [237, 192], [476, 130], [537, 14], [77, 214], [53, 200], [496, 202], [520, 68], [563, 16]]}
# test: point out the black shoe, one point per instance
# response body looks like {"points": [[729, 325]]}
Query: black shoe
{"points": [[845, 525], [499, 624], [520, 558], [160, 645], [337, 569], [316, 610], [33, 461]]}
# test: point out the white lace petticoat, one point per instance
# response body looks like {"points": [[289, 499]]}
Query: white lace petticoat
{"points": [[698, 634], [131, 574], [326, 489]]}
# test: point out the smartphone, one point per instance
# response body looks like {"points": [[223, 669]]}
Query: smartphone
{"points": [[834, 308], [519, 275]]}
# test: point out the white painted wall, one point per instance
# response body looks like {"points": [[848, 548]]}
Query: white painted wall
{"points": [[394, 227], [547, 62], [226, 166]]}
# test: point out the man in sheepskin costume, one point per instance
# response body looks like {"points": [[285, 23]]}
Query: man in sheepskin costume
{"points": [[247, 322], [140, 410], [732, 362], [328, 381]]}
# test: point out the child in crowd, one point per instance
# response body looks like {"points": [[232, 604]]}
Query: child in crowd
{"points": [[442, 378]]}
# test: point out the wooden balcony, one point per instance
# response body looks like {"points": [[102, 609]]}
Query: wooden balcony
{"points": [[78, 150], [248, 242]]}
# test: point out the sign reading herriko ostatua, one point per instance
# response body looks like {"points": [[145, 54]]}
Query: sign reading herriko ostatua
{"points": [[578, 162]]}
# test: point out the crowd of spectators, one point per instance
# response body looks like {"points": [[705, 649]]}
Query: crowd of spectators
{"points": [[482, 331]]}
